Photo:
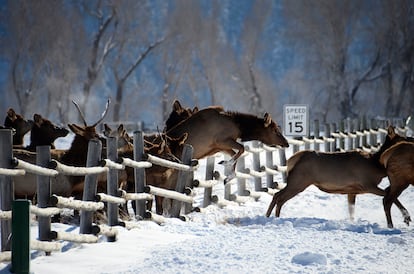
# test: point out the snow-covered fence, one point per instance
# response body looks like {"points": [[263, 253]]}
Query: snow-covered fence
{"points": [[88, 231], [348, 134]]}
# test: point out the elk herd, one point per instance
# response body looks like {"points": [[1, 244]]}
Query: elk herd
{"points": [[211, 130]]}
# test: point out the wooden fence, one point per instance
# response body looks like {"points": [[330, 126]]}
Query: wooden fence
{"points": [[265, 164]]}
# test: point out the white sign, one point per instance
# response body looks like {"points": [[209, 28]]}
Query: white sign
{"points": [[296, 120]]}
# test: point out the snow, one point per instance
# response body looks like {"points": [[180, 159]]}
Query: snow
{"points": [[313, 235]]}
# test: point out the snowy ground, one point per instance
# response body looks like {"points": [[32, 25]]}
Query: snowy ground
{"points": [[313, 235]]}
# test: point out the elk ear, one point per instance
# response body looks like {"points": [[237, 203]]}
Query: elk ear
{"points": [[121, 129], [76, 129], [267, 120], [107, 130], [37, 118], [11, 114], [391, 132], [195, 109], [177, 106]]}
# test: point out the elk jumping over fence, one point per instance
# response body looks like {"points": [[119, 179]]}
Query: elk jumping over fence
{"points": [[211, 130]]}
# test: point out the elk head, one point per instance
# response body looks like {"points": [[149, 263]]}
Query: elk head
{"points": [[20, 125]]}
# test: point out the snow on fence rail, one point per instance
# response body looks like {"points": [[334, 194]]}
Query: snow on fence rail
{"points": [[332, 140]]}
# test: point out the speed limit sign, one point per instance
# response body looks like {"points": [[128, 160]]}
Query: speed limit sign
{"points": [[296, 120]]}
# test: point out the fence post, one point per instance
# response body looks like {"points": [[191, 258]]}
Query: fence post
{"points": [[43, 192], [269, 164], [6, 185], [282, 162], [112, 184], [184, 178], [256, 166], [241, 182], [209, 176], [89, 189], [334, 145], [139, 173], [348, 131], [21, 237], [327, 144], [228, 169], [356, 127], [373, 137], [316, 135], [342, 139], [295, 148]]}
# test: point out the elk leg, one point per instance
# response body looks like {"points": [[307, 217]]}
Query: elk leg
{"points": [[230, 145], [273, 203], [158, 205], [404, 211], [283, 196], [391, 195], [351, 206]]}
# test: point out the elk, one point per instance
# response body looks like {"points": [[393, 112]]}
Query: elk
{"points": [[44, 133], [156, 144], [19, 125], [178, 114], [76, 155], [350, 173], [156, 175], [212, 130], [398, 161]]}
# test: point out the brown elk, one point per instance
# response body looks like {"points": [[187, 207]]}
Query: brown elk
{"points": [[76, 155], [399, 163], [44, 133], [156, 144], [156, 175], [348, 173], [20, 126], [212, 130], [178, 114]]}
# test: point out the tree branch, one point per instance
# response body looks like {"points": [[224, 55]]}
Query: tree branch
{"points": [[140, 59]]}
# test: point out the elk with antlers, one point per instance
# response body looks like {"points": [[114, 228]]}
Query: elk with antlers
{"points": [[25, 186]]}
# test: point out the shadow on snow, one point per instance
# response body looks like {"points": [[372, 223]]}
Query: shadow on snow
{"points": [[319, 224]]}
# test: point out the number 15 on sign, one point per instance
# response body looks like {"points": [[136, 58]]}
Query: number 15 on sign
{"points": [[296, 120]]}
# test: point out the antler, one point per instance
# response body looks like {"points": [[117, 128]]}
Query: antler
{"points": [[103, 113], [80, 113], [102, 116]]}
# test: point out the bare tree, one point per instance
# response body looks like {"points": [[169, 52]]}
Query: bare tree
{"points": [[252, 43], [328, 32], [105, 14], [26, 47], [120, 79], [394, 21]]}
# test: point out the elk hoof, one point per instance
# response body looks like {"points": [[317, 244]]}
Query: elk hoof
{"points": [[229, 178], [407, 220], [225, 163]]}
